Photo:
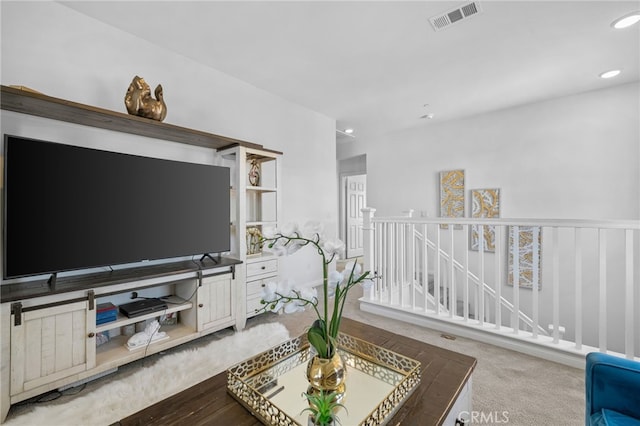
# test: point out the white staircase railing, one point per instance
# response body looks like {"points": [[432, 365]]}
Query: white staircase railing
{"points": [[553, 288], [486, 288]]}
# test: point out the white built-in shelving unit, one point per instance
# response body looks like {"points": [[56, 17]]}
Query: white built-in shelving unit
{"points": [[256, 206]]}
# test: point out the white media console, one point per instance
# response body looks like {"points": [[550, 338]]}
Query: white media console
{"points": [[49, 335]]}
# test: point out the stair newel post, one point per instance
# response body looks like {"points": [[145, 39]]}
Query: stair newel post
{"points": [[368, 242]]}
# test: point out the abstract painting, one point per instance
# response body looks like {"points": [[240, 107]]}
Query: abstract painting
{"points": [[528, 252], [452, 194], [485, 203]]}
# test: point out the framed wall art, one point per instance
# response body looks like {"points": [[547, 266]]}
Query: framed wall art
{"points": [[527, 251], [485, 203], [451, 194]]}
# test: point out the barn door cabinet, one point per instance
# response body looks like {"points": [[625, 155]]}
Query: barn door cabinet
{"points": [[50, 344], [216, 304]]}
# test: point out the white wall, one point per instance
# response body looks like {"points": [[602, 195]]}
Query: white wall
{"points": [[576, 157], [61, 53], [573, 157]]}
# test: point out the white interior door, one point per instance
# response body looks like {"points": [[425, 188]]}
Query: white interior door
{"points": [[356, 187]]}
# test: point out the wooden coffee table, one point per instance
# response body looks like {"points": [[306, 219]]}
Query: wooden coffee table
{"points": [[445, 383]]}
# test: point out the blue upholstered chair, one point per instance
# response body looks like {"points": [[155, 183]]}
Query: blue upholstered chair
{"points": [[612, 391]]}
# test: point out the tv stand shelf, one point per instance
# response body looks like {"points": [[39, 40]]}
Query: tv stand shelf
{"points": [[114, 353], [122, 320]]}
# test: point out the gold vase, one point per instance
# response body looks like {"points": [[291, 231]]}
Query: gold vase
{"points": [[327, 374]]}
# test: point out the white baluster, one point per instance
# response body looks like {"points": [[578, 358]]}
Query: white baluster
{"points": [[425, 265], [368, 243], [451, 293], [555, 283], [498, 274], [411, 240], [384, 249], [481, 266], [402, 262], [602, 310], [578, 287], [436, 284], [629, 310], [465, 290], [535, 295], [515, 315]]}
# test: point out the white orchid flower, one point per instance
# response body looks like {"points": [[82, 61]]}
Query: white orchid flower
{"points": [[292, 307], [313, 229], [366, 284], [283, 296], [348, 268], [306, 294], [276, 248], [270, 293], [334, 280], [309, 293], [293, 246], [290, 230], [333, 247], [269, 232]]}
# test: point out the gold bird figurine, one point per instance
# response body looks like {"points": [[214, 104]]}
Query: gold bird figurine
{"points": [[139, 102]]}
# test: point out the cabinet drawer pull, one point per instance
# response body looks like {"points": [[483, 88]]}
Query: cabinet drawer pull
{"points": [[92, 334], [263, 267], [200, 305], [263, 285]]}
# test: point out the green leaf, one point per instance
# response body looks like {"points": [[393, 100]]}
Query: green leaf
{"points": [[320, 325], [361, 277], [317, 340]]}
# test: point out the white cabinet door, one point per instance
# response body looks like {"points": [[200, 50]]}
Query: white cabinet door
{"points": [[216, 302], [50, 344]]}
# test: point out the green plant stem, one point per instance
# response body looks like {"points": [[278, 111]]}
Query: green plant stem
{"points": [[325, 290], [341, 297]]}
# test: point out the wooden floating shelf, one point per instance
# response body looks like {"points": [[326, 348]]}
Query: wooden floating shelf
{"points": [[33, 103]]}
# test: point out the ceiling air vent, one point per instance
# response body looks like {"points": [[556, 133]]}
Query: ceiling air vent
{"points": [[453, 16]]}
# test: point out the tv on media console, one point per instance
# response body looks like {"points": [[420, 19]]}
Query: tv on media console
{"points": [[70, 208]]}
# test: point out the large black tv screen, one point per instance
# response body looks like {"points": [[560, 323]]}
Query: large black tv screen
{"points": [[69, 208]]}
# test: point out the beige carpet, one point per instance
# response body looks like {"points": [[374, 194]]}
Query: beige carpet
{"points": [[508, 387]]}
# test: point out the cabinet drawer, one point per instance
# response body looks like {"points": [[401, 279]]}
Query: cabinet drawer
{"points": [[253, 304], [254, 288], [260, 268]]}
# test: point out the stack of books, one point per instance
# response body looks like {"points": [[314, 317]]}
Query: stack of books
{"points": [[106, 312]]}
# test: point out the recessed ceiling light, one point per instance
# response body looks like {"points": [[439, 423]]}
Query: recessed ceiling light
{"points": [[626, 20], [346, 132], [610, 74]]}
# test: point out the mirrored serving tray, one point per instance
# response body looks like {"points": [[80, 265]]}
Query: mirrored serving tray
{"points": [[271, 384]]}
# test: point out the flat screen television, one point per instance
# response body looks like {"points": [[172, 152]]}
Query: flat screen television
{"points": [[69, 208]]}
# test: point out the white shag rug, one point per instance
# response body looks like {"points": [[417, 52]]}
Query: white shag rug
{"points": [[170, 374]]}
